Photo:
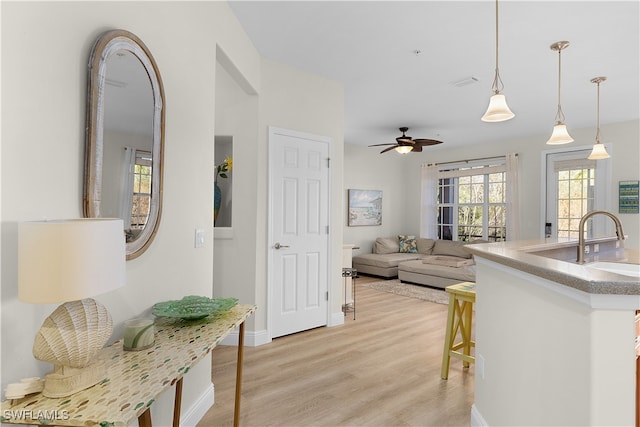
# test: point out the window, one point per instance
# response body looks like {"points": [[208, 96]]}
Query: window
{"points": [[141, 202], [575, 198], [472, 203]]}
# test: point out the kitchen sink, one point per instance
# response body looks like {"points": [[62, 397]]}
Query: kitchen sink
{"points": [[632, 270]]}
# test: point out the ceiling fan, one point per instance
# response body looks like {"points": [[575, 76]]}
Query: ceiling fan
{"points": [[405, 143]]}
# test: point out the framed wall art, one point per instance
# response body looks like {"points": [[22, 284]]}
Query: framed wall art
{"points": [[365, 207], [628, 197]]}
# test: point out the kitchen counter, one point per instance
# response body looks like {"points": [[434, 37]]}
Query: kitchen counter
{"points": [[535, 257]]}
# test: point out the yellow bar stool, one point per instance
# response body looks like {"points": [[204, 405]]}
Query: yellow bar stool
{"points": [[461, 299]]}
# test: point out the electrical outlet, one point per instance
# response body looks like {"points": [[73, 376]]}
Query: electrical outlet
{"points": [[480, 366], [199, 239]]}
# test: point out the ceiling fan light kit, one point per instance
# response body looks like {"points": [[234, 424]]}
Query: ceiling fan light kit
{"points": [[599, 151], [498, 110], [404, 149], [560, 135]]}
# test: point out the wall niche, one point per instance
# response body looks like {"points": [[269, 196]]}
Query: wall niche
{"points": [[223, 149]]}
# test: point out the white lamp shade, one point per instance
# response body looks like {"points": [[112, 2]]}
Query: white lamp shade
{"points": [[598, 152], [498, 110], [68, 260], [404, 149], [560, 135]]}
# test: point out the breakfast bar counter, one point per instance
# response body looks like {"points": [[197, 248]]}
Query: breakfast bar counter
{"points": [[555, 340]]}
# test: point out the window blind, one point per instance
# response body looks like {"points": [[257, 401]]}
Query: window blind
{"points": [[573, 164]]}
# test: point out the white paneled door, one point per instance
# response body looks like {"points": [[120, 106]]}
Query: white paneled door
{"points": [[298, 231]]}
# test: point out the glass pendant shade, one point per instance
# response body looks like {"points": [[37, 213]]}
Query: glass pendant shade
{"points": [[560, 135], [599, 152], [404, 149], [498, 110]]}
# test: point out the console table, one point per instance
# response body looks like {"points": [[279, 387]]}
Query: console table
{"points": [[136, 378]]}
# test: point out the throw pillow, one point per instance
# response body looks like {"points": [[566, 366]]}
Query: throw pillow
{"points": [[386, 245], [408, 244], [425, 246], [450, 247]]}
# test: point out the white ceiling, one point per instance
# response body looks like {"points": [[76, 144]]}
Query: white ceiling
{"points": [[369, 47]]}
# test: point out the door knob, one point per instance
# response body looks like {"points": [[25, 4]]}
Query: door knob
{"points": [[279, 246]]}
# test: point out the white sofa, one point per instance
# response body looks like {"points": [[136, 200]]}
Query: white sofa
{"points": [[437, 263]]}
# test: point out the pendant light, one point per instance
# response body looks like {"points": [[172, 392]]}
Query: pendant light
{"points": [[599, 152], [560, 134], [498, 110]]}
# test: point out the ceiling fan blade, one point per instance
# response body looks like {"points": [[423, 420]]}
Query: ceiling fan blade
{"points": [[379, 145], [425, 142], [417, 148], [393, 147]]}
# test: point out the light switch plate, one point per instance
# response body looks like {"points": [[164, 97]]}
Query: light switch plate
{"points": [[199, 239]]}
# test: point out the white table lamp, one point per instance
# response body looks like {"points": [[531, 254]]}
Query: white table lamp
{"points": [[70, 261]]}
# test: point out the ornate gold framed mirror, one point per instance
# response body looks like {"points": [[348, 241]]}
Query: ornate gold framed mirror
{"points": [[124, 138]]}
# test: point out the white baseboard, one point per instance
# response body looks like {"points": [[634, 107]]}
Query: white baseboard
{"points": [[476, 418], [251, 338], [258, 338], [193, 415], [337, 319]]}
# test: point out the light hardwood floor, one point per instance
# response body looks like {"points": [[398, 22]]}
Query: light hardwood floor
{"points": [[383, 369]]}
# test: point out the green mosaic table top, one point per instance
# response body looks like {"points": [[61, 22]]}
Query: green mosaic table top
{"points": [[134, 378]]}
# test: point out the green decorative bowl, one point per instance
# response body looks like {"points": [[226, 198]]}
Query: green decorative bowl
{"points": [[193, 307]]}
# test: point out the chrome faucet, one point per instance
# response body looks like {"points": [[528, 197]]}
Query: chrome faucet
{"points": [[584, 219]]}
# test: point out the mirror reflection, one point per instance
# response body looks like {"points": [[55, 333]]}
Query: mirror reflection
{"points": [[127, 143], [125, 133]]}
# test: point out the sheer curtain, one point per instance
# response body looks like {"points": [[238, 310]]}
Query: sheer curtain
{"points": [[128, 165], [512, 198], [429, 202]]}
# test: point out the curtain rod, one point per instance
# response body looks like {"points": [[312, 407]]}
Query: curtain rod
{"points": [[467, 160]]}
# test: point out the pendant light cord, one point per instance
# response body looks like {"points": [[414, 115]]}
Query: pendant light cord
{"points": [[497, 84], [560, 114], [598, 117]]}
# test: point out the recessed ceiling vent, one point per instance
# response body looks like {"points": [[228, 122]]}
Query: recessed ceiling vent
{"points": [[464, 82]]}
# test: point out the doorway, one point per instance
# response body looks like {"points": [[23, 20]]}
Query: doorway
{"points": [[298, 231], [575, 185]]}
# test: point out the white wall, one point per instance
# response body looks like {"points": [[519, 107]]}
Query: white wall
{"points": [[45, 50], [625, 156]]}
